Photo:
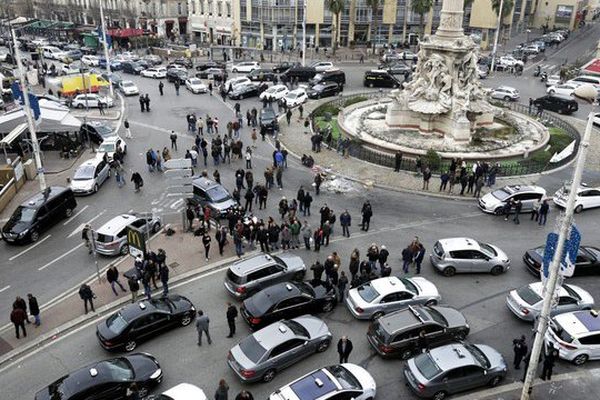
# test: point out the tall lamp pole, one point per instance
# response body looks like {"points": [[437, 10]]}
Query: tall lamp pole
{"points": [[304, 33], [586, 92], [497, 35], [105, 45], [27, 108]]}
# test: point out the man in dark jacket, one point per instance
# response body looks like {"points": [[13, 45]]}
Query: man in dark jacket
{"points": [[17, 317], [86, 294], [112, 276], [163, 272], [34, 309], [306, 204], [232, 314], [317, 268], [345, 221], [418, 257], [518, 206], [367, 213], [134, 286], [20, 303], [407, 258], [344, 348], [520, 350], [300, 197]]}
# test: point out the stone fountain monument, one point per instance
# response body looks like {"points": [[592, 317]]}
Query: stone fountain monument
{"points": [[445, 99]]}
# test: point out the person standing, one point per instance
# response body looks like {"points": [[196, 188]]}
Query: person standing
{"points": [[317, 268], [202, 322], [306, 234], [222, 390], [161, 87], [518, 206], [548, 364], [221, 238], [367, 213], [190, 215], [206, 243], [112, 277], [479, 182], [232, 314], [173, 138], [34, 309], [18, 317], [344, 348], [520, 350], [342, 283], [407, 259], [418, 258], [163, 273], [20, 303], [426, 178], [544, 208], [134, 286], [288, 116], [318, 182], [306, 204], [86, 294], [397, 161], [177, 87], [345, 221], [244, 395], [147, 102], [142, 103], [137, 180], [127, 130]]}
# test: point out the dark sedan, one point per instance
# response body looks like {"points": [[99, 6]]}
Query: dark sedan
{"points": [[268, 120], [284, 66], [106, 380], [288, 300], [144, 320], [399, 68], [186, 62], [323, 90], [216, 74], [132, 67], [244, 90], [587, 263], [176, 74], [209, 64], [261, 75]]}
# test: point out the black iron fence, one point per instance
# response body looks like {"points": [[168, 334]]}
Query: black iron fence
{"points": [[508, 167]]}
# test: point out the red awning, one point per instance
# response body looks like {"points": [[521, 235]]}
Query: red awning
{"points": [[593, 67], [125, 33]]}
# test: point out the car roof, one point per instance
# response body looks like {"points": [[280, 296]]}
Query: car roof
{"points": [[204, 183], [273, 335], [42, 197], [387, 285], [459, 243], [314, 385], [91, 162], [537, 287], [506, 88], [248, 265], [402, 319], [116, 224], [280, 291], [452, 356], [512, 189], [579, 322], [142, 307]]}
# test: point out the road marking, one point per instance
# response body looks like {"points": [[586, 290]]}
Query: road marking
{"points": [[176, 204], [80, 227], [29, 248], [60, 257], [148, 126], [74, 216], [4, 288]]}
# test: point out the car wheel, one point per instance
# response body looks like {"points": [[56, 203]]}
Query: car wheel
{"points": [[155, 227], [324, 345], [68, 212], [580, 359], [234, 70], [80, 106], [551, 92], [377, 315], [578, 209], [506, 98], [95, 188], [439, 395], [495, 381], [124, 250], [328, 306], [497, 270], [449, 271], [186, 319], [142, 392], [406, 354], [269, 375], [431, 302], [371, 85], [130, 345], [34, 236], [498, 211]]}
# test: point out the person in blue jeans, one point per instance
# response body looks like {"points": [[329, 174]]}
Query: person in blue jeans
{"points": [[544, 209], [407, 258]]}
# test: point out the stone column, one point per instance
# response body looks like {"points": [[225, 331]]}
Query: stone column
{"points": [[451, 19]]}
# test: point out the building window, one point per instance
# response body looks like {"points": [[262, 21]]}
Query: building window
{"points": [[210, 7], [228, 5], [219, 8], [194, 7], [179, 9], [202, 7]]}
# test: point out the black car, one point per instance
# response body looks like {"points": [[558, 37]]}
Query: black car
{"points": [[261, 75], [332, 75], [559, 104], [216, 74], [114, 79], [96, 131], [132, 67], [379, 78], [399, 68], [323, 90], [185, 62], [39, 214], [210, 64], [288, 300], [268, 119], [284, 66], [106, 380], [177, 74], [397, 334], [587, 262], [144, 64], [304, 74], [144, 320], [243, 91]]}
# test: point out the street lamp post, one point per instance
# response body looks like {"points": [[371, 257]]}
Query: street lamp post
{"points": [[496, 36], [105, 45], [304, 33]]}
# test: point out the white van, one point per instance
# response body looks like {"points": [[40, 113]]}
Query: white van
{"points": [[52, 52]]}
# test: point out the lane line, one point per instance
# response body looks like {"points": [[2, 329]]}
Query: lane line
{"points": [[60, 257], [74, 216], [29, 248], [80, 227], [4, 288]]}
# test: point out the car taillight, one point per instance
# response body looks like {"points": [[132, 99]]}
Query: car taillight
{"points": [[241, 289], [247, 373], [255, 321], [567, 346], [421, 387], [385, 349], [358, 309], [525, 311]]}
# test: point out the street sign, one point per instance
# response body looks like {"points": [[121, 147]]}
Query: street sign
{"points": [[188, 189], [178, 163], [178, 173], [569, 254], [136, 242]]}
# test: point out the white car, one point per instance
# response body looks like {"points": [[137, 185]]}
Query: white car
{"points": [[89, 60], [321, 66], [245, 66], [576, 335], [195, 85], [335, 382], [295, 97], [586, 197], [233, 82], [128, 88], [109, 147], [92, 100], [276, 92], [495, 201], [565, 89], [526, 301], [597, 119], [510, 61], [505, 93], [183, 391], [89, 176], [70, 69], [553, 80], [154, 72]]}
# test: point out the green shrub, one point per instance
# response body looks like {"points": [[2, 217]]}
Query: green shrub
{"points": [[326, 108], [354, 100], [433, 159]]}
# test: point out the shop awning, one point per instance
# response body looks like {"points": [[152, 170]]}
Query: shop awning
{"points": [[593, 67], [15, 133], [53, 118], [125, 33]]}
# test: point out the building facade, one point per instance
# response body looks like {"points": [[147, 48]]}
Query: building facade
{"points": [[215, 21]]}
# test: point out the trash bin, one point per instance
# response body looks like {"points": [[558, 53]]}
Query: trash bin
{"points": [[30, 170]]}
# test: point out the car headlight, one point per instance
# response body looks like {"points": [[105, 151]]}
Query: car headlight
{"points": [[156, 374], [20, 235]]}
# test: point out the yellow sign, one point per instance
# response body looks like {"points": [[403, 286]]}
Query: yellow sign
{"points": [[136, 242]]}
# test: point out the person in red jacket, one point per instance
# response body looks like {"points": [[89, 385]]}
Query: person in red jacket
{"points": [[18, 317]]}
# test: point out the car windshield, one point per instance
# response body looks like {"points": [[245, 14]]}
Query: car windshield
{"points": [[292, 95], [409, 285], [218, 194], [478, 355], [163, 304], [426, 366], [436, 316], [487, 249], [367, 292], [560, 332], [195, 81], [252, 349], [84, 173], [501, 194], [127, 84], [104, 130], [116, 323], [528, 295], [305, 288], [295, 327], [571, 292], [344, 377], [24, 214], [106, 148], [233, 277], [318, 87], [119, 369]]}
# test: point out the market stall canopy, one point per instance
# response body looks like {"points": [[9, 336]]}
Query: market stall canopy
{"points": [[53, 118]]}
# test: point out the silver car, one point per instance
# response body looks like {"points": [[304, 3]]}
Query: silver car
{"points": [[261, 355], [454, 368], [526, 302], [454, 255], [494, 202], [111, 238], [89, 176], [381, 296]]}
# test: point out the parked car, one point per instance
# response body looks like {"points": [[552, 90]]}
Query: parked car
{"points": [[586, 79], [303, 74], [128, 88], [381, 296], [144, 320], [92, 61], [321, 90], [154, 72], [576, 335], [586, 197], [565, 89], [233, 82], [380, 78], [287, 300], [107, 379], [177, 75], [321, 66], [216, 74], [454, 368], [335, 382], [510, 61], [209, 193], [96, 131], [587, 262], [494, 202], [276, 92], [332, 75], [114, 64], [559, 104], [152, 59], [89, 176], [245, 66], [109, 147], [248, 276], [295, 97], [268, 119], [262, 354], [526, 301], [132, 67], [397, 334], [111, 238], [184, 61], [505, 93], [244, 90], [210, 64], [553, 80], [183, 391], [113, 78], [38, 214], [195, 85], [284, 66], [70, 69], [261, 75], [397, 68], [465, 255], [91, 100]]}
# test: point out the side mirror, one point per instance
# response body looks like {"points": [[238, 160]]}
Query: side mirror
{"points": [[485, 372], [445, 380]]}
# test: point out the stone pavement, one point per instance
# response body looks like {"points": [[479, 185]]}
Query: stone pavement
{"points": [[185, 258]]}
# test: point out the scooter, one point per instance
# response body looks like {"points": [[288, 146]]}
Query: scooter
{"points": [[544, 77]]}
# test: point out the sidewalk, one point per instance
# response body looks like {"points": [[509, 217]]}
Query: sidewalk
{"points": [[185, 258]]}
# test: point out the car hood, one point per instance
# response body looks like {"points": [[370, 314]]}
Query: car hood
{"points": [[363, 376], [315, 326], [82, 184], [294, 263], [535, 255], [321, 288], [144, 365], [181, 303], [183, 391], [15, 227], [495, 358], [490, 200], [426, 288], [224, 205]]}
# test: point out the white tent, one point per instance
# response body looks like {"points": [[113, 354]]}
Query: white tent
{"points": [[53, 118]]}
